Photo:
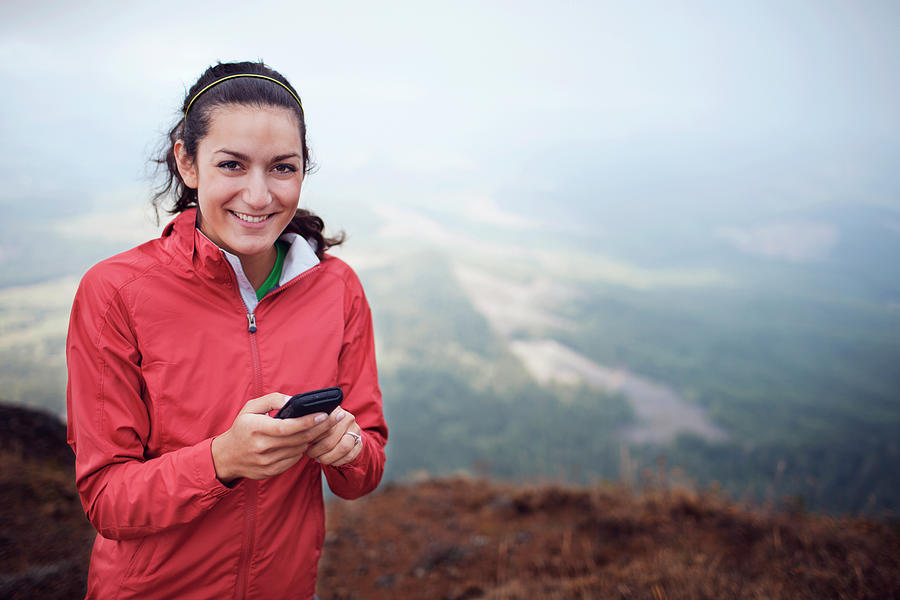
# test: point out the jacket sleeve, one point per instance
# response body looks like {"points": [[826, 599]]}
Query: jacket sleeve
{"points": [[124, 494], [358, 377]]}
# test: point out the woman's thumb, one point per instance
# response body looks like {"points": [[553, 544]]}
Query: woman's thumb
{"points": [[264, 404]]}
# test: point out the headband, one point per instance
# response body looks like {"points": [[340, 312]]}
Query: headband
{"points": [[218, 81]]}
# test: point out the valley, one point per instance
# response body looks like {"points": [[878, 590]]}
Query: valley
{"points": [[775, 381]]}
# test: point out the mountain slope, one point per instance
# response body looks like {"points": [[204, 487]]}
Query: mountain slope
{"points": [[465, 538]]}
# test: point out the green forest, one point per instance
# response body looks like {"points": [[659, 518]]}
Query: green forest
{"points": [[807, 386]]}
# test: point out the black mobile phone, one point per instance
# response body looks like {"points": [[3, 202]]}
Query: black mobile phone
{"points": [[324, 400]]}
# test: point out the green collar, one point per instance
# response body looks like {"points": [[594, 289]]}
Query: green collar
{"points": [[271, 282]]}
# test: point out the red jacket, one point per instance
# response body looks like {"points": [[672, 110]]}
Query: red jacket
{"points": [[160, 361]]}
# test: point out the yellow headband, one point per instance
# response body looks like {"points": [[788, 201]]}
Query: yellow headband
{"points": [[218, 81]]}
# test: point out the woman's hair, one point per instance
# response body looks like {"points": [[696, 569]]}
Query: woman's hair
{"points": [[193, 125]]}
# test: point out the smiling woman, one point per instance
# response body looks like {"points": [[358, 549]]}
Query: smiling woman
{"points": [[179, 351]]}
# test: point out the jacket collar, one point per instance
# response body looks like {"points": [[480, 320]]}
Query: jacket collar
{"points": [[208, 259], [202, 256]]}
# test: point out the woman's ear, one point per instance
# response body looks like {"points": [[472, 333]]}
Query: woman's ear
{"points": [[186, 167]]}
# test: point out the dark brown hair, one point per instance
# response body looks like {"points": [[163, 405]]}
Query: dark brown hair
{"points": [[193, 127]]}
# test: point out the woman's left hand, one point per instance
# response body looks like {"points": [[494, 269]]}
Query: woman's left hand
{"points": [[340, 444]]}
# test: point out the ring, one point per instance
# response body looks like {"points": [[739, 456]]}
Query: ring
{"points": [[356, 437]]}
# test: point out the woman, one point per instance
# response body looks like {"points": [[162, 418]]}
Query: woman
{"points": [[179, 350]]}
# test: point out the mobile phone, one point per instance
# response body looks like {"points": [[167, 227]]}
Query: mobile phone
{"points": [[307, 403]]}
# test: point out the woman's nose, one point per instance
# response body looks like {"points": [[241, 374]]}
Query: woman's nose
{"points": [[256, 193]]}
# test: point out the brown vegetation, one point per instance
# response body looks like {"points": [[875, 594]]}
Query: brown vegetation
{"points": [[45, 539], [463, 539]]}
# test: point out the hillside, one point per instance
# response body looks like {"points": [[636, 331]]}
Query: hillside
{"points": [[465, 538], [45, 540], [461, 538], [761, 356]]}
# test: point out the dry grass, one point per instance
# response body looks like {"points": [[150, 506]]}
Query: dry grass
{"points": [[45, 539], [464, 538]]}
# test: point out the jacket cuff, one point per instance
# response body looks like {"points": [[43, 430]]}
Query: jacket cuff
{"points": [[205, 470]]}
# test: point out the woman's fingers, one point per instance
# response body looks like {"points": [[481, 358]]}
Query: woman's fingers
{"points": [[338, 456], [299, 430], [347, 449], [281, 456], [280, 465], [337, 446], [341, 421]]}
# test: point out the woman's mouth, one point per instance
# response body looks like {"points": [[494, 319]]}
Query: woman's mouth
{"points": [[250, 218]]}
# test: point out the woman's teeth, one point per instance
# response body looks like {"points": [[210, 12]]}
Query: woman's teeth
{"points": [[250, 218]]}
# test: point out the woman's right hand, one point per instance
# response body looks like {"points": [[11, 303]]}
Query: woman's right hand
{"points": [[256, 446]]}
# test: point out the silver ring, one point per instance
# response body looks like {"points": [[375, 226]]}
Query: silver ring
{"points": [[356, 437]]}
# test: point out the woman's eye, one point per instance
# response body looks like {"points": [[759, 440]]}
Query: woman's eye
{"points": [[229, 165], [285, 168]]}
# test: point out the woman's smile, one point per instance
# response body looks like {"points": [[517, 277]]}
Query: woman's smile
{"points": [[250, 219]]}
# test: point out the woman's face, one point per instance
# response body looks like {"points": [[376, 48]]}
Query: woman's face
{"points": [[248, 173]]}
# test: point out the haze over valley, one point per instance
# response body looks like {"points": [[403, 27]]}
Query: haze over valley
{"points": [[524, 358], [597, 238]]}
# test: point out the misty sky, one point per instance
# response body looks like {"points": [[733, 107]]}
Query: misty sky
{"points": [[718, 105]]}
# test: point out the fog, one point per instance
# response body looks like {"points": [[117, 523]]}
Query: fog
{"points": [[579, 114]]}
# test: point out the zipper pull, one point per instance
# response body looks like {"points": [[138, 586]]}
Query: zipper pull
{"points": [[251, 320]]}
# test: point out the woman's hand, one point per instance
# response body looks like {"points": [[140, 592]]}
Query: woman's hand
{"points": [[341, 443], [258, 446]]}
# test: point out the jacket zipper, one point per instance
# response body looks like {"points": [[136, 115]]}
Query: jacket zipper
{"points": [[251, 317], [251, 486], [247, 548]]}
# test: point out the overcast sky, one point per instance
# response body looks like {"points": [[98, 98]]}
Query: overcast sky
{"points": [[521, 103]]}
